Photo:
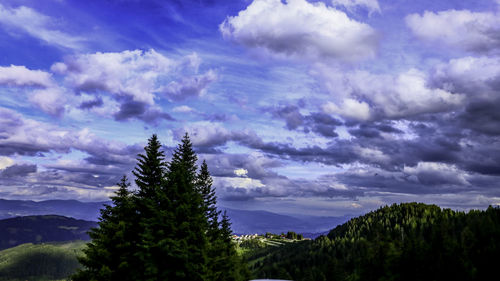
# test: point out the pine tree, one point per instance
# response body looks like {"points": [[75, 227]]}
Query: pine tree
{"points": [[181, 187], [229, 265], [150, 170], [168, 230], [204, 187], [111, 254], [156, 219]]}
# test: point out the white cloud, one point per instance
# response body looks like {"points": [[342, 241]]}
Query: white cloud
{"points": [[298, 28], [136, 76], [363, 95], [241, 172], [239, 182], [5, 162], [434, 173], [39, 26], [15, 75], [131, 74], [349, 108], [371, 5], [474, 76], [182, 109], [471, 31], [50, 100], [205, 133], [19, 135], [190, 86]]}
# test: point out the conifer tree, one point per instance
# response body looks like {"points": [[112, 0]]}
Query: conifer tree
{"points": [[181, 187], [229, 265], [168, 230], [157, 242], [204, 187], [111, 254]]}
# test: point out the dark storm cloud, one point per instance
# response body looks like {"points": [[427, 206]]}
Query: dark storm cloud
{"points": [[18, 170], [373, 129], [482, 117], [291, 115], [97, 102], [134, 109], [319, 123]]}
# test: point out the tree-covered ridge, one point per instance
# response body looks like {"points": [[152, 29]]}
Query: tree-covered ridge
{"points": [[41, 229], [408, 241], [167, 230]]}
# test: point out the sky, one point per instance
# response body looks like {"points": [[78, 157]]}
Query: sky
{"points": [[323, 108]]}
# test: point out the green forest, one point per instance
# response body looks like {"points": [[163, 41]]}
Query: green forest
{"points": [[410, 241]]}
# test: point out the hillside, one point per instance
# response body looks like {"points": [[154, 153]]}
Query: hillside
{"points": [[401, 242], [39, 229], [54, 261]]}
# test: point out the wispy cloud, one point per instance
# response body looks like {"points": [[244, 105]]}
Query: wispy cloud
{"points": [[26, 20]]}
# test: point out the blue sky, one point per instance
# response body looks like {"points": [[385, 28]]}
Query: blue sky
{"points": [[299, 107]]}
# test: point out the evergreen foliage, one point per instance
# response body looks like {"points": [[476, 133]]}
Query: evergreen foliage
{"points": [[401, 242], [111, 255], [168, 230]]}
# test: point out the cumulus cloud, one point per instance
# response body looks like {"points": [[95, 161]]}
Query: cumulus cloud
{"points": [[189, 86], [371, 6], [477, 77], [38, 25], [50, 100], [48, 96], [429, 173], [130, 74], [298, 28], [135, 79], [18, 75], [463, 29], [349, 108], [363, 96]]}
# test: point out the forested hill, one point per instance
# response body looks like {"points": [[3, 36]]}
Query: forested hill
{"points": [[37, 229], [409, 241]]}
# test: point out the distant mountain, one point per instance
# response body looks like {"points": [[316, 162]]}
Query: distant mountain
{"points": [[243, 222], [38, 229], [70, 208]]}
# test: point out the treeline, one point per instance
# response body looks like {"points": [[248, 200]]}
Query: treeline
{"points": [[170, 229], [402, 242]]}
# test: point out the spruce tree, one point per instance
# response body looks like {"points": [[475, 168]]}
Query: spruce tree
{"points": [[157, 242], [229, 265], [204, 187], [111, 253], [181, 188], [168, 230]]}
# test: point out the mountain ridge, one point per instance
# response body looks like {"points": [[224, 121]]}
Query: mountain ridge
{"points": [[243, 221]]}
